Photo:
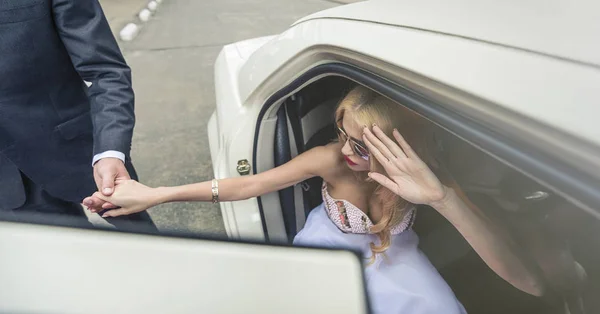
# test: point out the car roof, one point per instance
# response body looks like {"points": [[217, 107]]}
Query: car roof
{"points": [[563, 29]]}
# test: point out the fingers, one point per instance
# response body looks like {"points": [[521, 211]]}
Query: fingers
{"points": [[108, 205], [384, 181], [115, 213], [391, 165], [94, 203], [99, 201], [107, 171], [108, 183], [123, 181], [374, 151], [389, 143], [381, 147], [405, 147], [100, 196]]}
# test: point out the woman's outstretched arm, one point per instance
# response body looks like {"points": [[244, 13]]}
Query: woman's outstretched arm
{"points": [[135, 197]]}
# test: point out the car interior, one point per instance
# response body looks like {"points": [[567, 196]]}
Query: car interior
{"points": [[557, 236]]}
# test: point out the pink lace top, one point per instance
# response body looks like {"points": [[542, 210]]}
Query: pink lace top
{"points": [[350, 219]]}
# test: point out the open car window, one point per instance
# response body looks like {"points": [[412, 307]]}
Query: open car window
{"points": [[561, 239]]}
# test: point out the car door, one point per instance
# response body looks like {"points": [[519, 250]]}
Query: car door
{"points": [[60, 269]]}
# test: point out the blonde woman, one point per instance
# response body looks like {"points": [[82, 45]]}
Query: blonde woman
{"points": [[363, 208]]}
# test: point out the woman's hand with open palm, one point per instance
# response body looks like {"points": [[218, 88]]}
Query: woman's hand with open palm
{"points": [[407, 175]]}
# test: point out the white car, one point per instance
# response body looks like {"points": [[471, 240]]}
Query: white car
{"points": [[514, 88]]}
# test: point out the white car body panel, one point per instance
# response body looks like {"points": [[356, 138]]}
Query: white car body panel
{"points": [[542, 86], [224, 132], [539, 87], [48, 269], [566, 29]]}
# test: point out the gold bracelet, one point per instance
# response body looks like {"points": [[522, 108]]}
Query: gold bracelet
{"points": [[215, 191]]}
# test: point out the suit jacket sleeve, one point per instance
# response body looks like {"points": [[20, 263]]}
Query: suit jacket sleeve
{"points": [[94, 52]]}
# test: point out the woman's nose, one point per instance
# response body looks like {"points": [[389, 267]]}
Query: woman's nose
{"points": [[346, 149]]}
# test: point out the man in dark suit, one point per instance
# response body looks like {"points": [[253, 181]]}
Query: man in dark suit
{"points": [[61, 140]]}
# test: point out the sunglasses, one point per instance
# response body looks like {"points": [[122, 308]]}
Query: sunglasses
{"points": [[358, 147]]}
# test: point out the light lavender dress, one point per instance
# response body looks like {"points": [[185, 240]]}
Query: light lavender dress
{"points": [[402, 282]]}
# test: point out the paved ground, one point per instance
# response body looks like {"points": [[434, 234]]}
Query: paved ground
{"points": [[172, 61]]}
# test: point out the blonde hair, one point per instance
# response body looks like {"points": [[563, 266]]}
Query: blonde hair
{"points": [[367, 108]]}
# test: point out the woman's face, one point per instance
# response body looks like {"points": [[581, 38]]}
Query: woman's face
{"points": [[353, 149]]}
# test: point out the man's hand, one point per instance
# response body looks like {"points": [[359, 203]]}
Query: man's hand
{"points": [[106, 172], [132, 197]]}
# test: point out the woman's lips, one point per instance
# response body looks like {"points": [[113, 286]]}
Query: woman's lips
{"points": [[350, 162]]}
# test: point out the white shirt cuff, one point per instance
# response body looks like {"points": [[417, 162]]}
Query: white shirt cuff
{"points": [[107, 154]]}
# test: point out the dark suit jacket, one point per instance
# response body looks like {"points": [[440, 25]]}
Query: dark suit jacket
{"points": [[51, 124]]}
